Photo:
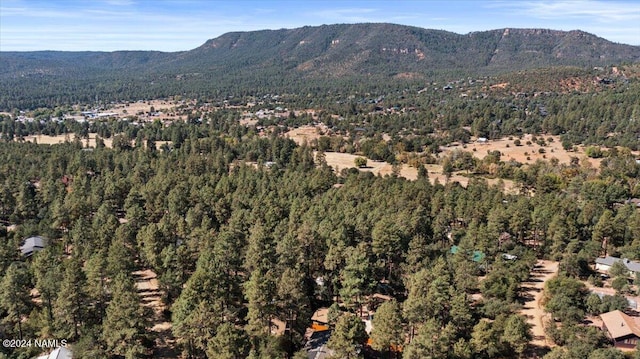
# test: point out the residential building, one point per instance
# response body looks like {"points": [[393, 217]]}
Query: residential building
{"points": [[604, 264], [621, 328], [32, 245]]}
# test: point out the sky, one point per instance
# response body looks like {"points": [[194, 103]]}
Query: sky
{"points": [[178, 25]]}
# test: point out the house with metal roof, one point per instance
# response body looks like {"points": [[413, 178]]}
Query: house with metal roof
{"points": [[604, 264], [58, 353], [32, 245], [477, 255]]}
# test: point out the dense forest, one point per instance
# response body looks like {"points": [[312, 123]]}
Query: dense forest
{"points": [[237, 246], [229, 238]]}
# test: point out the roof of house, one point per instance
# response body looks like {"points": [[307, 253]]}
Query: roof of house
{"points": [[33, 243], [278, 327], [317, 345], [477, 255], [58, 353], [320, 315], [609, 261], [620, 325]]}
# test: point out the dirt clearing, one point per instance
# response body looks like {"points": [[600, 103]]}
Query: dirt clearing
{"points": [[526, 153], [307, 134], [340, 161]]}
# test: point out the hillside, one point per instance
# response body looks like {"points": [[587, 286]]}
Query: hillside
{"points": [[368, 49], [276, 59]]}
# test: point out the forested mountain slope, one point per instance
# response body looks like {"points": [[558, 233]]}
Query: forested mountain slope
{"points": [[327, 56]]}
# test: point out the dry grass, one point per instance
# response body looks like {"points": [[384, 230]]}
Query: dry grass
{"points": [[54, 140], [91, 142], [526, 154], [304, 134], [340, 161], [136, 107]]}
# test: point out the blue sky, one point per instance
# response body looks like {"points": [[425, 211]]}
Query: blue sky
{"points": [[175, 25]]}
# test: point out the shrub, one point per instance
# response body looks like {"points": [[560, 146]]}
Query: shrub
{"points": [[593, 152], [620, 284], [360, 162]]}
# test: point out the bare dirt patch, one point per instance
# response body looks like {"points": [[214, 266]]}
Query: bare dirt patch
{"points": [[340, 161], [526, 154], [533, 310], [69, 137], [134, 108], [304, 134], [410, 75]]}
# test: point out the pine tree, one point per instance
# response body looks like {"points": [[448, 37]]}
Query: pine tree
{"points": [[517, 333], [348, 337], [47, 273], [14, 296], [228, 343], [387, 327], [432, 342], [259, 292], [356, 276], [70, 306], [293, 303], [206, 300], [416, 304], [96, 289], [119, 258], [484, 339], [194, 328], [124, 327]]}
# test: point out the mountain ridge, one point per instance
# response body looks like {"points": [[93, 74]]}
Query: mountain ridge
{"points": [[369, 52], [316, 49]]}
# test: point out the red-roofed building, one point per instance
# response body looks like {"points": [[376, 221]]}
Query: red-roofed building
{"points": [[624, 330]]}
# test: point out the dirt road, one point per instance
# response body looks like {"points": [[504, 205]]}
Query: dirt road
{"points": [[533, 291]]}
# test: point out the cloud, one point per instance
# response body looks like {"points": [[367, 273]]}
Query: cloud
{"points": [[617, 21], [594, 10], [346, 15], [120, 2]]}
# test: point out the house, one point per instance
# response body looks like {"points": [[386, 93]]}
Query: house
{"points": [[317, 345], [319, 319], [477, 255], [633, 201], [58, 353], [32, 245], [509, 257], [604, 264], [622, 329], [318, 335]]}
